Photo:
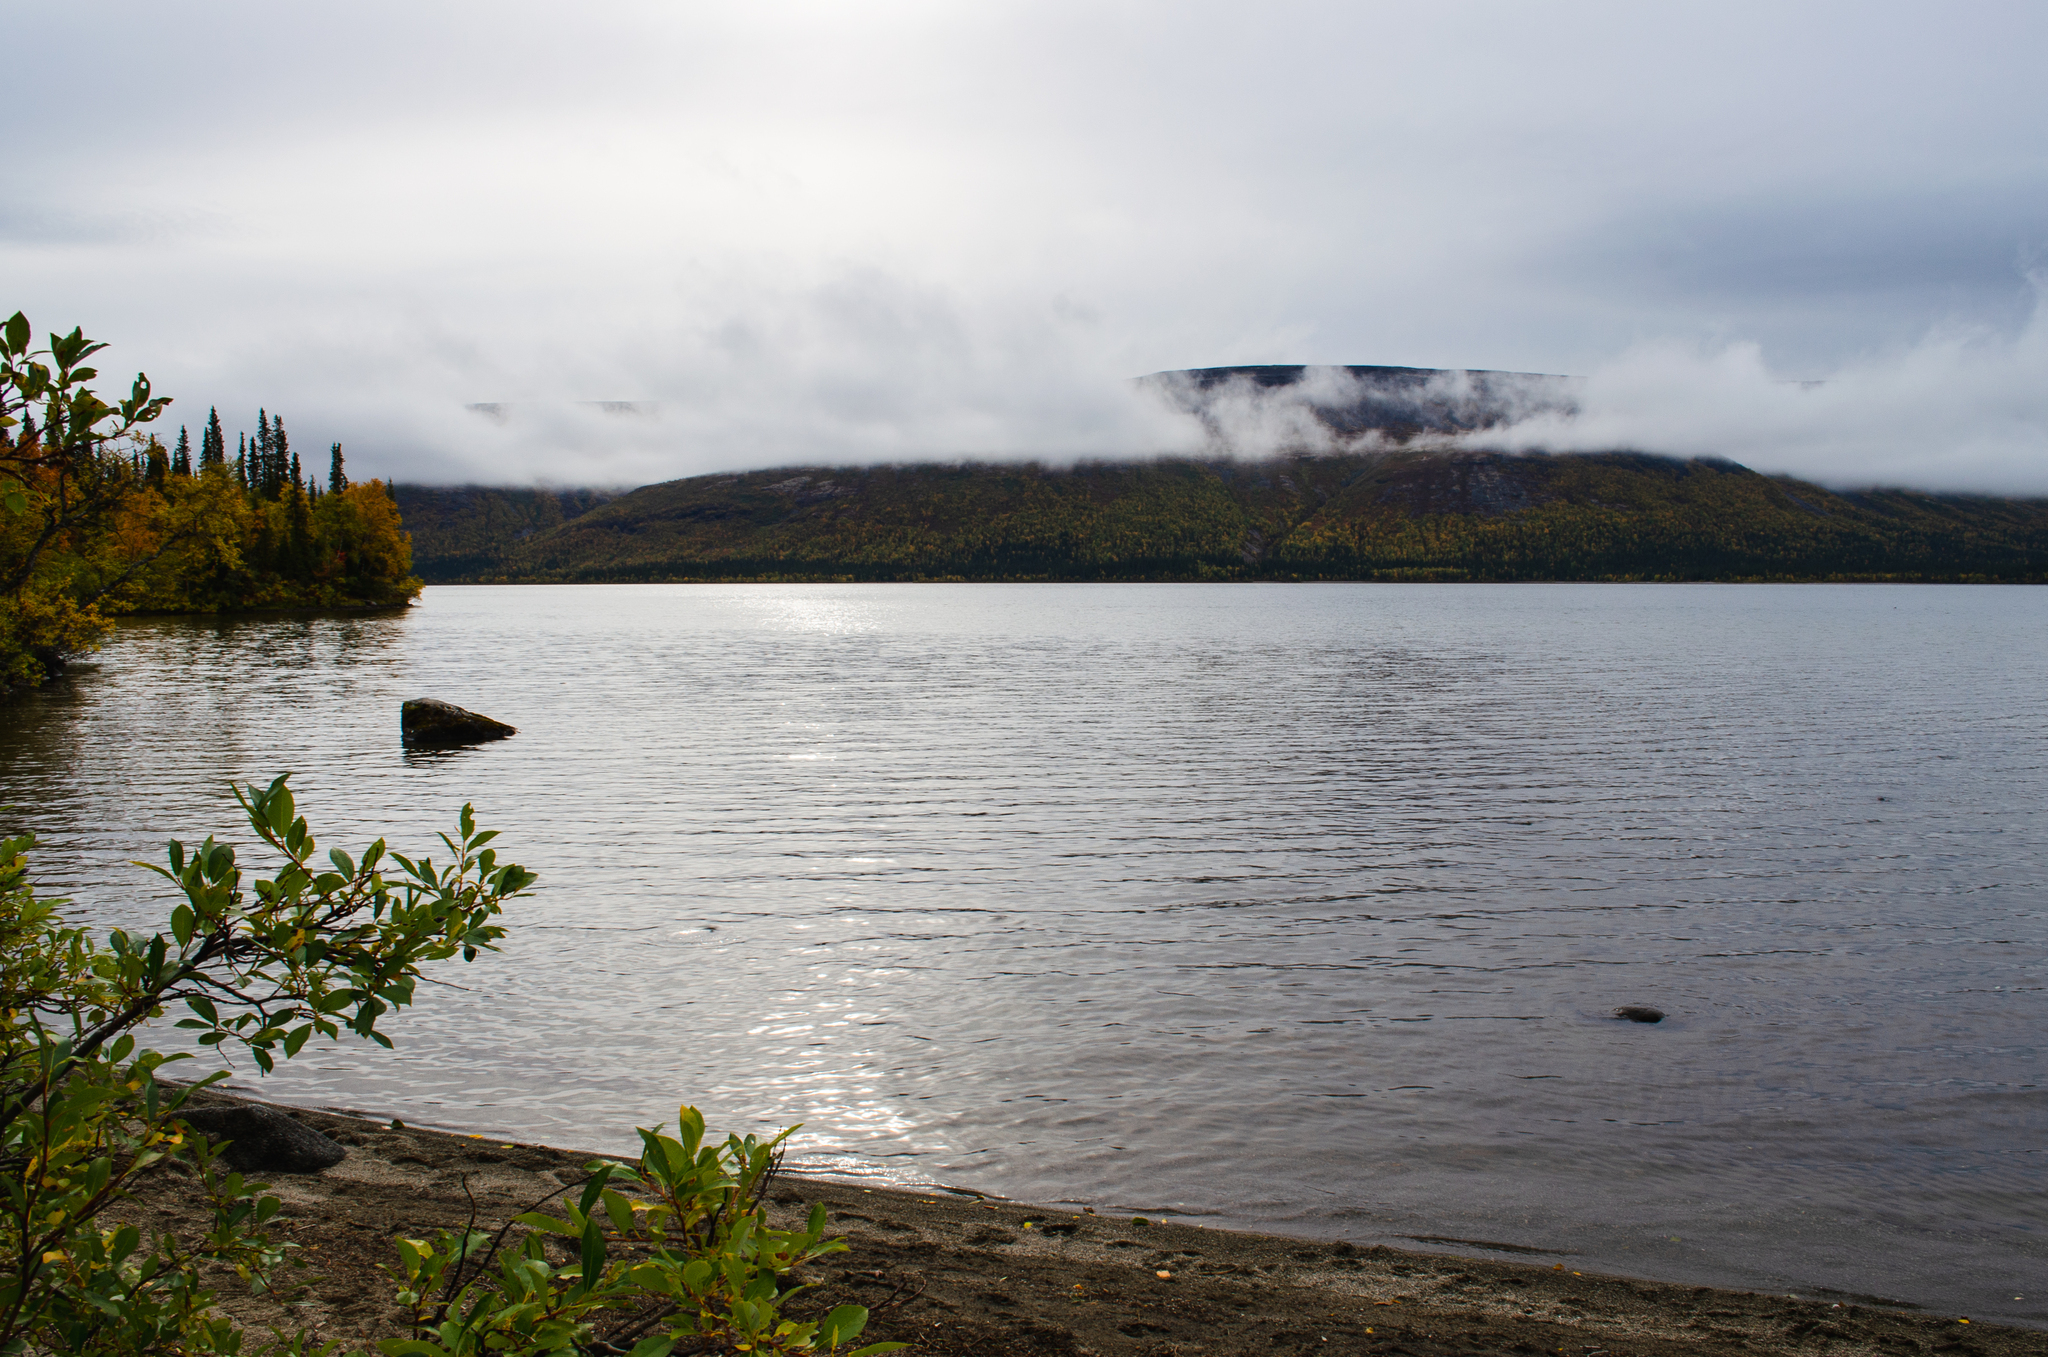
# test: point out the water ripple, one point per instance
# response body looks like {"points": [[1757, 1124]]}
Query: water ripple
{"points": [[1297, 906]]}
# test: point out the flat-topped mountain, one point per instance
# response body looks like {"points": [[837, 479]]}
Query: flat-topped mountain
{"points": [[1358, 402], [1384, 513]]}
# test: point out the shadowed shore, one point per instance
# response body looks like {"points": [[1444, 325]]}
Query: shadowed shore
{"points": [[956, 1275]]}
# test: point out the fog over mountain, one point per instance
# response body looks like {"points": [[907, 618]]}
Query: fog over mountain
{"points": [[651, 241], [1260, 410], [1962, 409]]}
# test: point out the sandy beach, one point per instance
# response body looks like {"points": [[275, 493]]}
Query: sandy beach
{"points": [[955, 1274]]}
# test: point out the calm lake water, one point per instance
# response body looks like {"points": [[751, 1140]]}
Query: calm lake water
{"points": [[1292, 907]]}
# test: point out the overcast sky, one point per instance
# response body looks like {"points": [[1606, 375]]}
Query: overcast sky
{"points": [[864, 231]]}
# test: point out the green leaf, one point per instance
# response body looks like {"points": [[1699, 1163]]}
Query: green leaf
{"points": [[593, 1189], [536, 1220], [690, 1129], [593, 1253], [620, 1210], [18, 333], [842, 1325]]}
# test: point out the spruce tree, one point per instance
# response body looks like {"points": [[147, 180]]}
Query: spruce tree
{"points": [[337, 479], [213, 444], [281, 456], [242, 460], [181, 460], [262, 473]]}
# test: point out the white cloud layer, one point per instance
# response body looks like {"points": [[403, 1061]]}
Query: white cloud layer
{"points": [[1964, 409], [805, 230]]}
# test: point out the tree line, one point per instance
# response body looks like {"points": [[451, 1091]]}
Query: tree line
{"points": [[98, 518]]}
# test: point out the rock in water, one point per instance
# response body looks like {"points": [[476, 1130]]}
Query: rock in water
{"points": [[1638, 1013], [430, 721], [264, 1140]]}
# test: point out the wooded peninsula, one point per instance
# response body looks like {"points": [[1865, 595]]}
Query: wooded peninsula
{"points": [[99, 518]]}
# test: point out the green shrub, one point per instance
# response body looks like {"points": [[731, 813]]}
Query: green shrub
{"points": [[320, 947], [689, 1256]]}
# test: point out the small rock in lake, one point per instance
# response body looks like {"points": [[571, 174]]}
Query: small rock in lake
{"points": [[430, 721], [264, 1140], [1638, 1013]]}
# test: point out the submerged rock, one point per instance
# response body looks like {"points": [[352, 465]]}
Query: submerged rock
{"points": [[430, 721], [263, 1140], [1639, 1013]]}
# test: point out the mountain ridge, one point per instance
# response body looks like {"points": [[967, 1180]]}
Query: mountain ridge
{"points": [[1383, 513]]}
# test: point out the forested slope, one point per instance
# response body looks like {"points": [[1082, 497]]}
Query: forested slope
{"points": [[1378, 515], [472, 530]]}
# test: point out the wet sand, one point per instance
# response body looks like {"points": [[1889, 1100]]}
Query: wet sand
{"points": [[953, 1274]]}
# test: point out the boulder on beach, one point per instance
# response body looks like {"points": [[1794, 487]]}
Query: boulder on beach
{"points": [[263, 1140], [430, 721]]}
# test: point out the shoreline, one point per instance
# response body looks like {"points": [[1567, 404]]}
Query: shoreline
{"points": [[1974, 581], [306, 610], [956, 1274]]}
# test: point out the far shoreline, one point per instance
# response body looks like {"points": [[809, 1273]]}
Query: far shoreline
{"points": [[1235, 581]]}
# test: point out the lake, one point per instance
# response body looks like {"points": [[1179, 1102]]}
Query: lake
{"points": [[1293, 907]]}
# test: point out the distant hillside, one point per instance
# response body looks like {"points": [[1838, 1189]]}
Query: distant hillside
{"points": [[1383, 514], [469, 530]]}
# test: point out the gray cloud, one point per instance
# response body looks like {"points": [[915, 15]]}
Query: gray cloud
{"points": [[1963, 409], [811, 231]]}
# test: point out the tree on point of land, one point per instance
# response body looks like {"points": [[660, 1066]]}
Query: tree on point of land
{"points": [[98, 519]]}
